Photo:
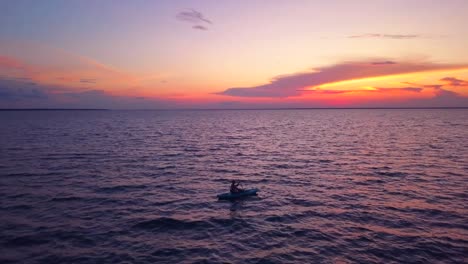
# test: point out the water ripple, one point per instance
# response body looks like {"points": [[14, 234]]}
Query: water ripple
{"points": [[336, 186]]}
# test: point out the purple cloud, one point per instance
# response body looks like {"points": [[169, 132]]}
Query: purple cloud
{"points": [[386, 36], [320, 91], [294, 84], [199, 27], [451, 81], [197, 19], [408, 89], [84, 80], [444, 98], [16, 90], [377, 89], [23, 94], [383, 62]]}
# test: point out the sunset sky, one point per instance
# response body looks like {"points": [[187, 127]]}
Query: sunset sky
{"points": [[233, 54]]}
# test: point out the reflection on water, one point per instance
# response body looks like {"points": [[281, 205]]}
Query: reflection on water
{"points": [[336, 186], [235, 206]]}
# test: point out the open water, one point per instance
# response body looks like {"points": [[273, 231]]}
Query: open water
{"points": [[336, 186]]}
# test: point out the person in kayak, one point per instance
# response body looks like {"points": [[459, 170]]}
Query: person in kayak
{"points": [[235, 187]]}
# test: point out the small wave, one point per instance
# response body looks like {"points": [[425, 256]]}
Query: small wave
{"points": [[215, 149], [166, 252], [17, 207], [290, 218], [381, 168], [162, 203], [252, 181], [74, 236], [451, 173], [18, 195], [165, 167], [225, 171], [285, 166], [165, 223], [65, 199], [172, 154], [24, 174], [370, 182], [313, 234], [282, 166], [25, 241], [171, 252], [276, 218], [305, 203], [449, 225], [418, 252], [392, 174], [27, 174], [120, 188], [435, 213], [191, 150]]}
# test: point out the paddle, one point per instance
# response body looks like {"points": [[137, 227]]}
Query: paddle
{"points": [[241, 185]]}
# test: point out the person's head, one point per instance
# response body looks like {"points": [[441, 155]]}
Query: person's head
{"points": [[233, 181]]}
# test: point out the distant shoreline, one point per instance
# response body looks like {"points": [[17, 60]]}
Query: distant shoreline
{"points": [[51, 109], [230, 109]]}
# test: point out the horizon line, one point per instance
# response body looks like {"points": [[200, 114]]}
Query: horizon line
{"points": [[229, 109]]}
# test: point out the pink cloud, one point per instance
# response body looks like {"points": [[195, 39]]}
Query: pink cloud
{"points": [[9, 62], [75, 71]]}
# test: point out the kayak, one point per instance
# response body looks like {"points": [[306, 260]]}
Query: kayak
{"points": [[230, 196]]}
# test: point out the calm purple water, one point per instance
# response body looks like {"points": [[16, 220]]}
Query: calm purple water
{"points": [[336, 186]]}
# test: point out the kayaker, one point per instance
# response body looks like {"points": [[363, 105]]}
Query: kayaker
{"points": [[235, 187]]}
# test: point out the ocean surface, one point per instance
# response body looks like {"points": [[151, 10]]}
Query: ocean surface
{"points": [[336, 186]]}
